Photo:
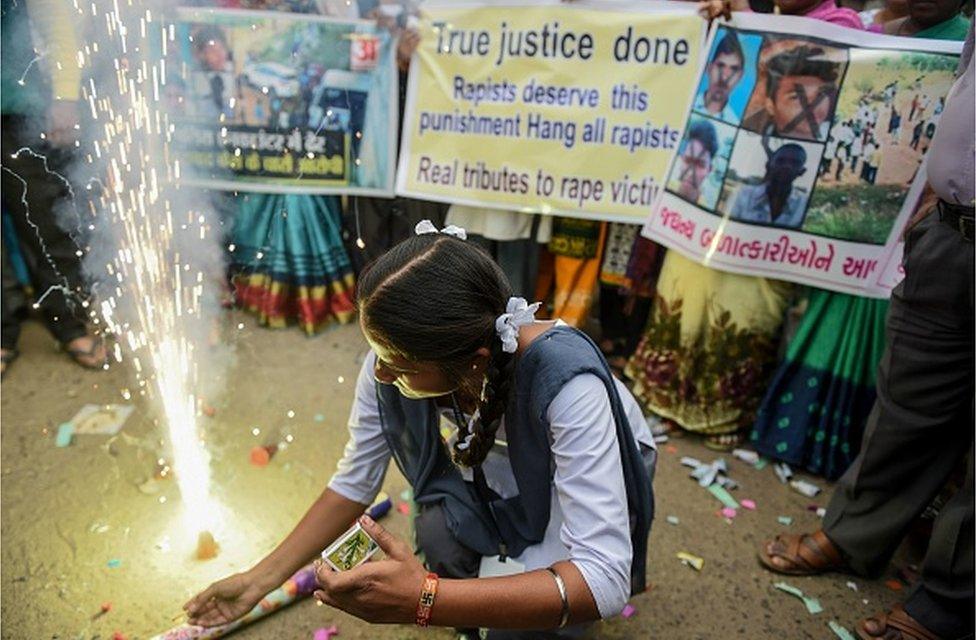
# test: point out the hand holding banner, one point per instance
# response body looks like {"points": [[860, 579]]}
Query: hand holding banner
{"points": [[278, 102]]}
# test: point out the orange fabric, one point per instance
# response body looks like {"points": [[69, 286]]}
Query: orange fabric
{"points": [[575, 284]]}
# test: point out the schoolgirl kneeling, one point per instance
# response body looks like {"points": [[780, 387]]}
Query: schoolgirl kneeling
{"points": [[533, 515]]}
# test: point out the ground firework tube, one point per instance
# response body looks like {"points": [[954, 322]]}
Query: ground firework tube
{"points": [[300, 585]]}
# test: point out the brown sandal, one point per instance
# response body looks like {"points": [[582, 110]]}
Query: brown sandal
{"points": [[898, 620], [808, 554]]}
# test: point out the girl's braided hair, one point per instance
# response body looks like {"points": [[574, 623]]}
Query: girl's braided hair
{"points": [[434, 298]]}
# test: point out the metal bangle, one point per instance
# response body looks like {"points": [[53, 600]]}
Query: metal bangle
{"points": [[564, 616]]}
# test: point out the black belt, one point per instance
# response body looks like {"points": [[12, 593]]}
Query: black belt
{"points": [[959, 217]]}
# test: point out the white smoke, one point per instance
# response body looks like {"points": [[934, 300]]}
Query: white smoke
{"points": [[155, 254]]}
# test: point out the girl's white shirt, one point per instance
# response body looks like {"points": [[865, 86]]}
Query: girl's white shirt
{"points": [[588, 523]]}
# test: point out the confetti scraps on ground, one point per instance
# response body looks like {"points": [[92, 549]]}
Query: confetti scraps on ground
{"points": [[628, 611], [749, 457], [821, 512], [404, 508], [729, 512], [691, 560], [709, 474], [808, 489], [319, 417], [66, 432], [261, 456], [673, 520], [406, 494], [761, 464], [324, 633], [723, 496], [114, 563], [785, 520], [783, 472], [208, 411], [852, 585], [748, 504], [671, 448], [812, 604], [840, 631], [894, 585], [101, 419], [118, 635]]}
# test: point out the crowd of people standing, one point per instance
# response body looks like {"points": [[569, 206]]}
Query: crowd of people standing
{"points": [[800, 373]]}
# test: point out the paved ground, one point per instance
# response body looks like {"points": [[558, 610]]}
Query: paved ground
{"points": [[66, 512]]}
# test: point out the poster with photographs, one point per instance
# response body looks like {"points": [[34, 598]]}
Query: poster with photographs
{"points": [[801, 149], [282, 102]]}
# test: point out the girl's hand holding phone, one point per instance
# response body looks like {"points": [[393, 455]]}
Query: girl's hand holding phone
{"points": [[384, 591]]}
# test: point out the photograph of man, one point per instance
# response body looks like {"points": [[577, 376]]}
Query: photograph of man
{"points": [[775, 200], [799, 92], [915, 102], [871, 159], [724, 71], [695, 162], [844, 136], [215, 80], [894, 125], [916, 135]]}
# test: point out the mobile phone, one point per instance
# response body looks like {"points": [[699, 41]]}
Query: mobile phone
{"points": [[350, 550]]}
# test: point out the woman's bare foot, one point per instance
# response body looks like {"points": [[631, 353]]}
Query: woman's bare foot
{"points": [[88, 351], [724, 441]]}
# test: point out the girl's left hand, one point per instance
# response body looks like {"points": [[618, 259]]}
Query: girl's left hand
{"points": [[384, 591]]}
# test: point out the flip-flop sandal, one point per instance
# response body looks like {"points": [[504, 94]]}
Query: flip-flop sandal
{"points": [[897, 619], [724, 441], [808, 554], [78, 354], [7, 359]]}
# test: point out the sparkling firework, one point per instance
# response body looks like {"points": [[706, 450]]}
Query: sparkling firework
{"points": [[153, 243]]}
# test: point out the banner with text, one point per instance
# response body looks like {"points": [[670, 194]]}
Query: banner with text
{"points": [[800, 151], [278, 102], [547, 106]]}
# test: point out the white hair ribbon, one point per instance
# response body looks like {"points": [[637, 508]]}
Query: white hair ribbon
{"points": [[456, 231], [518, 313], [426, 226]]}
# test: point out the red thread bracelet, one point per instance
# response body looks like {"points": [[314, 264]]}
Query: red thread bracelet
{"points": [[427, 595]]}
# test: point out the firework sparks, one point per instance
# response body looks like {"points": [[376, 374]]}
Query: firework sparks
{"points": [[152, 291]]}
